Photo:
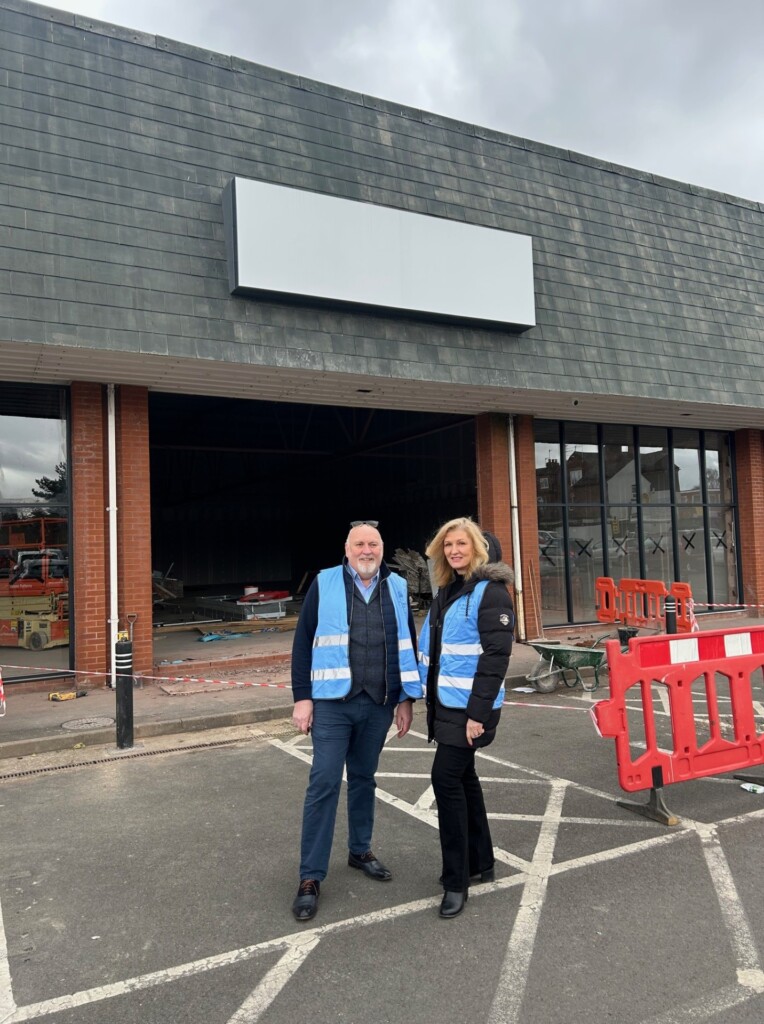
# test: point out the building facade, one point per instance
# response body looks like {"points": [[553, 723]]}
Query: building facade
{"points": [[157, 412]]}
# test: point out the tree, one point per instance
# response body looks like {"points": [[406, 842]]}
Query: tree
{"points": [[52, 489]]}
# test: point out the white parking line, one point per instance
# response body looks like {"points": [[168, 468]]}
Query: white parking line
{"points": [[7, 1005], [513, 976], [533, 876]]}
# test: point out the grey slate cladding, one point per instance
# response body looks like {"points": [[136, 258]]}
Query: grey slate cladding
{"points": [[115, 146]]}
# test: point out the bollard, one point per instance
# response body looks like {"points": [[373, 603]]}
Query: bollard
{"points": [[124, 665], [670, 613]]}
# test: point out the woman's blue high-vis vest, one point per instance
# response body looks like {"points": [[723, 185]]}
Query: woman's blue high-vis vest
{"points": [[330, 664], [460, 649]]}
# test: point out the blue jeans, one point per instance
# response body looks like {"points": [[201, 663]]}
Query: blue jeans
{"points": [[348, 734]]}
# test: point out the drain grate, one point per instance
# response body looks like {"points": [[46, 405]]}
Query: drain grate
{"points": [[78, 724], [127, 755]]}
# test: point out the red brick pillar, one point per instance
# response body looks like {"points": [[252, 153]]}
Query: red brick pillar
{"points": [[492, 442], [89, 554], [492, 452], [134, 520], [525, 456], [749, 457]]}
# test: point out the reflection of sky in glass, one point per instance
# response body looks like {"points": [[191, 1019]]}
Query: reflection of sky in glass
{"points": [[686, 461], [29, 449], [546, 453]]}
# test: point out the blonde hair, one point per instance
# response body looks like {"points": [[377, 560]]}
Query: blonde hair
{"points": [[441, 571]]}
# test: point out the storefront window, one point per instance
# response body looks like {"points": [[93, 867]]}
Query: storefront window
{"points": [[34, 531], [632, 503]]}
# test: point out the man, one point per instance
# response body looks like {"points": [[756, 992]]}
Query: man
{"points": [[353, 668]]}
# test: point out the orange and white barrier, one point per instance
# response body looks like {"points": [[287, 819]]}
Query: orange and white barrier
{"points": [[641, 603], [723, 658]]}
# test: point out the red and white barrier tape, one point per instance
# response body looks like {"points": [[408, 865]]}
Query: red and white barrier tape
{"points": [[152, 679], [716, 604]]}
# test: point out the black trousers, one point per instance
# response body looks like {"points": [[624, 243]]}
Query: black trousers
{"points": [[465, 838]]}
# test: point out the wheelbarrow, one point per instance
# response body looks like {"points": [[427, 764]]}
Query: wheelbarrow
{"points": [[563, 661]]}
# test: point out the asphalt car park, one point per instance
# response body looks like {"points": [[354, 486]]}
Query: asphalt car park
{"points": [[157, 887]]}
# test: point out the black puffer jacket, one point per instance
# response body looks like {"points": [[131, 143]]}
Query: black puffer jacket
{"points": [[496, 622]]}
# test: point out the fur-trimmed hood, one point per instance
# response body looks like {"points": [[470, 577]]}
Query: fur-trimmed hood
{"points": [[494, 572]]}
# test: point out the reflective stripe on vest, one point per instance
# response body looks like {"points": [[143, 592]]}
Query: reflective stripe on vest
{"points": [[399, 592], [459, 653], [330, 664]]}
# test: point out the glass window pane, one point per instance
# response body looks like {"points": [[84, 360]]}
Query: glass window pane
{"points": [[723, 556], [554, 604], [620, 471], [687, 467], [622, 542], [654, 481], [659, 558], [582, 463], [548, 475], [718, 468], [692, 550], [34, 590], [586, 561], [32, 459], [34, 530]]}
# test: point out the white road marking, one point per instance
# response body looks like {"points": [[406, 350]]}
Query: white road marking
{"points": [[7, 1005], [499, 816], [533, 877], [733, 913], [514, 972], [261, 998], [426, 800]]}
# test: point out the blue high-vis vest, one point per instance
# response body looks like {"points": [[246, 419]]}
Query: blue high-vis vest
{"points": [[460, 649], [330, 662]]}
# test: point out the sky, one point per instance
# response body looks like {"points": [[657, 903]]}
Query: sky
{"points": [[675, 87]]}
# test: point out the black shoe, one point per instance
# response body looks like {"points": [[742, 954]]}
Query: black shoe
{"points": [[489, 875], [306, 901], [453, 903], [370, 866]]}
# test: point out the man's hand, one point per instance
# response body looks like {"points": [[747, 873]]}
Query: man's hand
{"points": [[302, 716], [474, 729], [403, 716]]}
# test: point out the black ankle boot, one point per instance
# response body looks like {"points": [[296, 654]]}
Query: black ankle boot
{"points": [[453, 903]]}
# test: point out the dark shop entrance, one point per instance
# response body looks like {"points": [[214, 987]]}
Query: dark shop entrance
{"points": [[252, 493]]}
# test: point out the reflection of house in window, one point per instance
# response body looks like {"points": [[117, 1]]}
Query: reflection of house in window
{"points": [[548, 479], [620, 471]]}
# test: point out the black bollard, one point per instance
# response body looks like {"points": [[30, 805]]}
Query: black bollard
{"points": [[670, 609], [124, 666]]}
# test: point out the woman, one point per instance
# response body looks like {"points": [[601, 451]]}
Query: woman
{"points": [[463, 655]]}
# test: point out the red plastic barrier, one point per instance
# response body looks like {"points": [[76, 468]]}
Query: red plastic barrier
{"points": [[675, 662], [641, 602], [605, 599], [685, 614]]}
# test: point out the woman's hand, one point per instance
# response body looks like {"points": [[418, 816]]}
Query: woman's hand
{"points": [[474, 729]]}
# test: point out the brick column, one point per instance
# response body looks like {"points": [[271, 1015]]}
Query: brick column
{"points": [[134, 520], [492, 453], [525, 456], [492, 443], [90, 564], [749, 457]]}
